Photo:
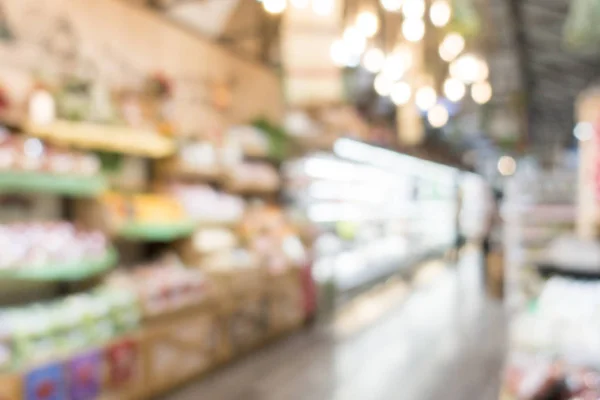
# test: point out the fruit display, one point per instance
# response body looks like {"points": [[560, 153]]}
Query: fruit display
{"points": [[251, 177], [146, 217], [163, 286], [19, 154], [45, 245], [46, 331], [207, 206], [268, 233]]}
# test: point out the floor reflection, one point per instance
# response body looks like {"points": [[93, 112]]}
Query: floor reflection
{"points": [[436, 338]]}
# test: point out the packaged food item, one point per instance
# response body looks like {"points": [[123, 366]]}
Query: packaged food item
{"points": [[48, 331], [18, 154], [162, 287], [34, 245], [206, 205], [252, 177]]}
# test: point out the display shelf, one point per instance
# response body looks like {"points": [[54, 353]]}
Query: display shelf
{"points": [[154, 232], [67, 272], [68, 185], [119, 139]]}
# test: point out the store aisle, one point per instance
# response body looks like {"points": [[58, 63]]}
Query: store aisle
{"points": [[438, 339]]}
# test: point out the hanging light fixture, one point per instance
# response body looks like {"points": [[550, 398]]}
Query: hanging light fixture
{"points": [[469, 69], [440, 13], [339, 53], [392, 5], [323, 8], [400, 93], [507, 166], [481, 92], [274, 6], [367, 23], [413, 9], [425, 98], [438, 116], [300, 3], [452, 45], [374, 60], [413, 29], [354, 40], [382, 85], [394, 67], [454, 90]]}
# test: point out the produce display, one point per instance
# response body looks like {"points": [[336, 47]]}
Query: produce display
{"points": [[32, 155], [251, 177], [46, 245], [208, 206], [270, 236], [46, 331], [162, 287]]}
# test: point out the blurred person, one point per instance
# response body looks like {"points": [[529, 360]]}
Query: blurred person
{"points": [[478, 216]]}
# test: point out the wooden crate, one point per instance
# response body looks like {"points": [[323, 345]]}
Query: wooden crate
{"points": [[241, 282], [123, 369], [11, 387], [177, 349], [248, 323], [286, 301]]}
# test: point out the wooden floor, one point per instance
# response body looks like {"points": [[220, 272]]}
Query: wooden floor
{"points": [[438, 338]]}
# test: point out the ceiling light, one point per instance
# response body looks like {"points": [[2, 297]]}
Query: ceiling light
{"points": [[413, 9], [438, 116], [452, 45], [425, 98], [392, 5], [394, 67], [467, 68], [440, 13], [300, 3], [367, 23], [507, 166], [354, 40], [401, 93], [481, 92], [413, 30], [339, 53], [274, 6], [323, 7], [374, 60], [454, 90], [382, 85], [584, 131]]}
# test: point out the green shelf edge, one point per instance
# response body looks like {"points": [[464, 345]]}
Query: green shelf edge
{"points": [[156, 232], [70, 272], [32, 182]]}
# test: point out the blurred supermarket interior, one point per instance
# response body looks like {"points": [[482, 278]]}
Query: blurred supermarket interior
{"points": [[299, 199]]}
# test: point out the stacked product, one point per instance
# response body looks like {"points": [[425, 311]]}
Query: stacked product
{"points": [[163, 287], [31, 155], [38, 246], [46, 332]]}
